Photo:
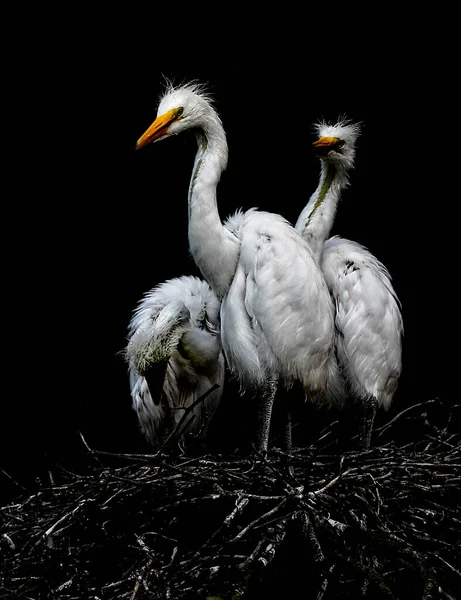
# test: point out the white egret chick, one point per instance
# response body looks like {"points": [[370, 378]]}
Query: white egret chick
{"points": [[368, 319], [175, 357]]}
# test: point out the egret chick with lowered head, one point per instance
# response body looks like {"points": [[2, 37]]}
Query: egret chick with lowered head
{"points": [[175, 359]]}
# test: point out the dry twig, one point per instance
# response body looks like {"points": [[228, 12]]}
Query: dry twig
{"points": [[380, 524]]}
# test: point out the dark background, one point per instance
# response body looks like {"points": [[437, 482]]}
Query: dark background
{"points": [[96, 223]]}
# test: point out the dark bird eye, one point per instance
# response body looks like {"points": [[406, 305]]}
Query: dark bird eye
{"points": [[179, 112]]}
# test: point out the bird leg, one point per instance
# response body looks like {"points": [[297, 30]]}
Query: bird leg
{"points": [[287, 433], [266, 402], [369, 412], [288, 443]]}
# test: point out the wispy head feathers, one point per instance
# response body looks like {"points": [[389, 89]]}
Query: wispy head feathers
{"points": [[344, 129], [171, 88]]}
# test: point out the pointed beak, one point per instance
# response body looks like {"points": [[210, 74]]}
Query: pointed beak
{"points": [[324, 144], [158, 129]]}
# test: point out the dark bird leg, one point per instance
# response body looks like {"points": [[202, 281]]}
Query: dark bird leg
{"points": [[288, 443], [266, 402], [369, 413], [287, 439]]}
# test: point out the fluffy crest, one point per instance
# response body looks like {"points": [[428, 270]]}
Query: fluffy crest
{"points": [[179, 90], [344, 129], [193, 97]]}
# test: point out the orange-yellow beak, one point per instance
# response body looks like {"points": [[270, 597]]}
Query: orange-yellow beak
{"points": [[158, 128], [325, 144]]}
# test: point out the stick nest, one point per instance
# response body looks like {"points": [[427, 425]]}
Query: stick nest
{"points": [[315, 523]]}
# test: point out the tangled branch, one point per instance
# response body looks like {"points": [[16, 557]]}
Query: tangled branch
{"points": [[380, 524]]}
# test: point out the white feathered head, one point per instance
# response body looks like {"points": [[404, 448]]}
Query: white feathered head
{"points": [[336, 142]]}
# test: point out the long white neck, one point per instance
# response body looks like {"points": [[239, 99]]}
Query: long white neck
{"points": [[214, 248], [316, 219]]}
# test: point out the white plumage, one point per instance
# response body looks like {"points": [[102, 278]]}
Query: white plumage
{"points": [[174, 357], [277, 318], [368, 317]]}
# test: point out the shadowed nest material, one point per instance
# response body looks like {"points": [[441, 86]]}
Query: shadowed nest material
{"points": [[377, 524]]}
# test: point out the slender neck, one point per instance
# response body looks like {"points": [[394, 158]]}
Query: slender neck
{"points": [[214, 248], [316, 219]]}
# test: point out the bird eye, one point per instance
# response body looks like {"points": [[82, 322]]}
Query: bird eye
{"points": [[179, 112], [340, 143]]}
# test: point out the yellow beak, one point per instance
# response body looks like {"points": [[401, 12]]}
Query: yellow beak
{"points": [[158, 128], [324, 143]]}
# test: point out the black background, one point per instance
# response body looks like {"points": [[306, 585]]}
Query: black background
{"points": [[96, 224]]}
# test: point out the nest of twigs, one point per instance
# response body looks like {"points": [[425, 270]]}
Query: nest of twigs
{"points": [[315, 523]]}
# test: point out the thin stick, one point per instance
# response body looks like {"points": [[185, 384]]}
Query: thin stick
{"points": [[383, 428], [140, 579]]}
